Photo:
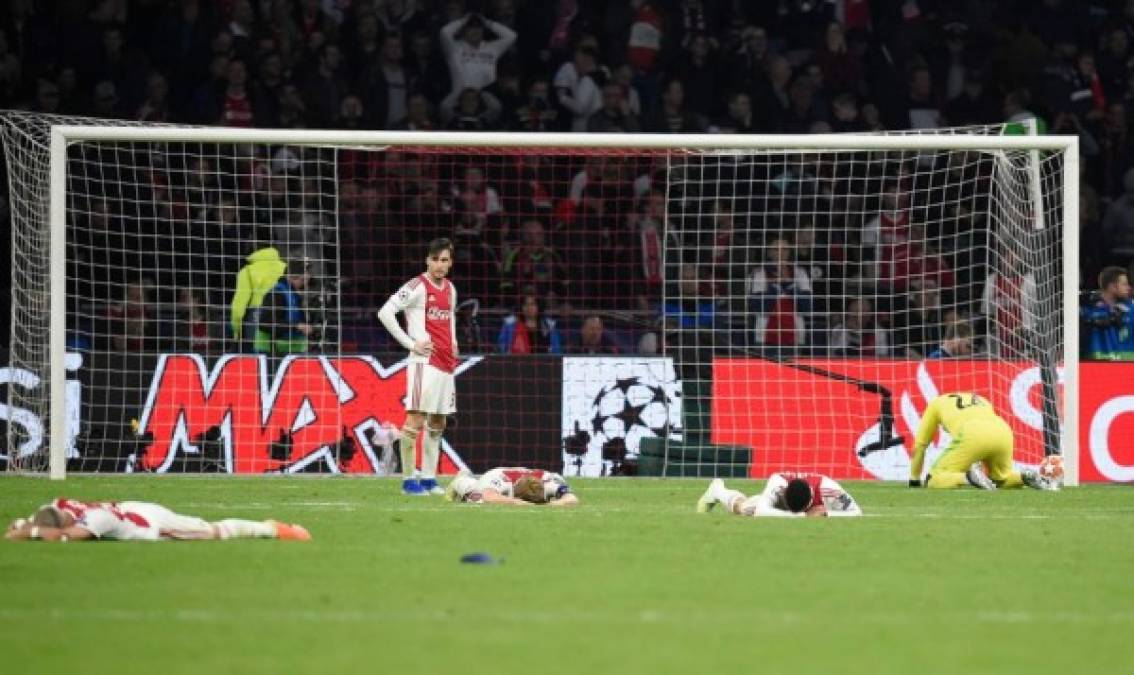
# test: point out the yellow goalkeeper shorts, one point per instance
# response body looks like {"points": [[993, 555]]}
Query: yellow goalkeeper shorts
{"points": [[987, 440]]}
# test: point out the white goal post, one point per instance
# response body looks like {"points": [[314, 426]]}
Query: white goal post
{"points": [[1067, 190]]}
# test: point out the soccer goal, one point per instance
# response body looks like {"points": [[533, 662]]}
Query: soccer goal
{"points": [[659, 305]]}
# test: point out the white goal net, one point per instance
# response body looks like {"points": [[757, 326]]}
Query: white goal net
{"points": [[761, 303]]}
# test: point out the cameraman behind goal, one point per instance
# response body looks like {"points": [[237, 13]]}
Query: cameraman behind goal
{"points": [[1108, 320]]}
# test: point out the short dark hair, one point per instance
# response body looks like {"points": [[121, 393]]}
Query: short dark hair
{"points": [[1110, 275], [440, 244], [797, 495]]}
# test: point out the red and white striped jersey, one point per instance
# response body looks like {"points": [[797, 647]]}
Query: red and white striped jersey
{"points": [[429, 310], [824, 492], [502, 480], [116, 520]]}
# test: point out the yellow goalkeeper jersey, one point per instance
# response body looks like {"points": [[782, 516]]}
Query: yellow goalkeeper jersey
{"points": [[951, 412]]}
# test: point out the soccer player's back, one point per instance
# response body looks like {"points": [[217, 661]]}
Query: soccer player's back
{"points": [[978, 437]]}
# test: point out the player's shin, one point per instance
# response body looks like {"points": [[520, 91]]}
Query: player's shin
{"points": [[430, 456], [431, 453], [407, 446]]}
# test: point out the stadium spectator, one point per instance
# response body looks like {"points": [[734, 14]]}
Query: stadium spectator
{"points": [[47, 96], [593, 339], [703, 78], [773, 94], [918, 328], [476, 259], [536, 112], [529, 331], [155, 107], [739, 118], [472, 60], [975, 104], [845, 116], [133, 320], [1009, 304], [427, 71], [195, 332], [253, 282], [624, 78], [474, 196], [576, 89], [689, 307], [779, 299], [840, 66], [649, 232], [859, 334], [106, 103], [913, 262], [473, 112], [323, 87], [614, 115], [1109, 318], [672, 116], [282, 327], [958, 341], [748, 64], [385, 86], [921, 109], [537, 265], [419, 114], [646, 37]]}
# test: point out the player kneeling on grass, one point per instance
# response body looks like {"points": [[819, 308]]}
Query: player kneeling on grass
{"points": [[69, 520], [511, 485], [786, 494], [980, 439]]}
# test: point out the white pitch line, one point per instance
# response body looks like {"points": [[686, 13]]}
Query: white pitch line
{"points": [[643, 616]]}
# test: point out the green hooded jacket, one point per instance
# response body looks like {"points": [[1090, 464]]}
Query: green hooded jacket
{"points": [[264, 269]]}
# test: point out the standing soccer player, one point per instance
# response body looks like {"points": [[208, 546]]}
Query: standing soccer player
{"points": [[428, 301]]}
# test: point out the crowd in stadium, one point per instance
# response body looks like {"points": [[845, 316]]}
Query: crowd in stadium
{"points": [[781, 66]]}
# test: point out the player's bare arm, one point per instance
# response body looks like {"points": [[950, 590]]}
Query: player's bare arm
{"points": [[23, 530]]}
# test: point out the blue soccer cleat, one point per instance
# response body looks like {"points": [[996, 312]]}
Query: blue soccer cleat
{"points": [[412, 486]]}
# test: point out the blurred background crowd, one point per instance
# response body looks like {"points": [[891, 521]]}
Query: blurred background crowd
{"points": [[562, 253]]}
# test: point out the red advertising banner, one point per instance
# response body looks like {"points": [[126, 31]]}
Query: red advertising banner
{"points": [[1106, 422], [795, 419]]}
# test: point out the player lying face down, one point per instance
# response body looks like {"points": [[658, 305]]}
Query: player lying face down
{"points": [[786, 494], [512, 485], [72, 520]]}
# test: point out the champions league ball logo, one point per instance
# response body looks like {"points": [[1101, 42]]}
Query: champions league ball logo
{"points": [[610, 406]]}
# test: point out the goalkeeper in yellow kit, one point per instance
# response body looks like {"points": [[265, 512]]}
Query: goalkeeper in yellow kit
{"points": [[981, 441]]}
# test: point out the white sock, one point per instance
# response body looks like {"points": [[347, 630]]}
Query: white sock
{"points": [[407, 446], [234, 528], [728, 498], [431, 452]]}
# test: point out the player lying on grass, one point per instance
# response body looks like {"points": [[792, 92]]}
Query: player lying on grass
{"points": [[511, 485], [979, 437], [786, 494], [69, 520]]}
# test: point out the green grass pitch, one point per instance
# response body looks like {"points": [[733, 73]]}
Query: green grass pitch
{"points": [[633, 581]]}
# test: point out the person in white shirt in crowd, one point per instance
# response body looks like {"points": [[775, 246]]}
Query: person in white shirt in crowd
{"points": [[472, 59]]}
